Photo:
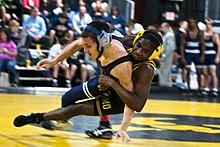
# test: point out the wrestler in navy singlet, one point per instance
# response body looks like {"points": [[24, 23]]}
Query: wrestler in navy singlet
{"points": [[210, 52], [192, 51], [89, 89]]}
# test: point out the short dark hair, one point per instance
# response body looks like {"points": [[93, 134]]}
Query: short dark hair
{"points": [[99, 25], [154, 37], [63, 40], [63, 15], [34, 8], [7, 32]]}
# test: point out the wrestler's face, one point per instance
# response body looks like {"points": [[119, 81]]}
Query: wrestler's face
{"points": [[185, 25], [192, 23], [209, 25], [90, 47], [142, 50]]}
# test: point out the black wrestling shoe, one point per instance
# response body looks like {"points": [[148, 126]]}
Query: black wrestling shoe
{"points": [[202, 93], [214, 93], [25, 119], [104, 131], [57, 125]]}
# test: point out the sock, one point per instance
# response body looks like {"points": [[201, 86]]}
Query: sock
{"points": [[173, 66], [105, 118], [54, 80], [215, 89], [206, 89], [105, 124], [68, 81]]}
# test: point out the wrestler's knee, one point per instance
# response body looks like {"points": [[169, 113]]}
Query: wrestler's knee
{"points": [[65, 100]]}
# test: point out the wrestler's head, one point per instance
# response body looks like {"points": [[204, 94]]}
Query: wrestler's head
{"points": [[96, 37], [147, 45]]}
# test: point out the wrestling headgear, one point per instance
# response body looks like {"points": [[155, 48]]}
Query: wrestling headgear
{"points": [[156, 52], [104, 39]]}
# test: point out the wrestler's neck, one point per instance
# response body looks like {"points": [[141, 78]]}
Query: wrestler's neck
{"points": [[106, 56], [209, 31], [112, 52]]}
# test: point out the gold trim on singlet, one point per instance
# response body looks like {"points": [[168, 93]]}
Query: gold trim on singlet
{"points": [[150, 62], [129, 50], [98, 107], [135, 66]]}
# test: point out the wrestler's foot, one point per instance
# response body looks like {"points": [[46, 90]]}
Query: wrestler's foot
{"points": [[104, 131], [25, 119], [57, 125], [214, 93]]}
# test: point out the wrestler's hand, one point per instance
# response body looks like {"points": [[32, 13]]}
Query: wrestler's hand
{"points": [[102, 88], [202, 59], [123, 136], [217, 60], [105, 82], [45, 64], [183, 61]]}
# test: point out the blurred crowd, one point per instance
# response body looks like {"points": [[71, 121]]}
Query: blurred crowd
{"points": [[52, 25], [193, 49]]}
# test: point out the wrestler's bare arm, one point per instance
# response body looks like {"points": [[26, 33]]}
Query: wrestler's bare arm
{"points": [[124, 73], [66, 52]]}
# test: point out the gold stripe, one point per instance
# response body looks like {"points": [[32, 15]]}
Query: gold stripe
{"points": [[98, 107], [84, 100], [145, 62]]}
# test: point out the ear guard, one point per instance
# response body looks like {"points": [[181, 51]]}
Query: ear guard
{"points": [[104, 38], [156, 52], [138, 36]]}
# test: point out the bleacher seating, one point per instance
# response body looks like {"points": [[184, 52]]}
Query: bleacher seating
{"points": [[29, 75]]}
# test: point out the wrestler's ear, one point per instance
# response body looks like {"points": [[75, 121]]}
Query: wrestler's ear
{"points": [[156, 52], [138, 36]]}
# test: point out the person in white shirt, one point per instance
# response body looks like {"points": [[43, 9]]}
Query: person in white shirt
{"points": [[169, 44], [63, 65], [80, 21], [133, 27]]}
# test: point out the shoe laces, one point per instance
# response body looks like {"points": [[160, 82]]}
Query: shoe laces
{"points": [[32, 118]]}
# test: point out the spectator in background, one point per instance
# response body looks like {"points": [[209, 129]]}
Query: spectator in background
{"points": [[133, 27], [61, 29], [57, 8], [192, 48], [14, 31], [91, 66], [117, 20], [80, 21], [177, 62], [8, 52], [100, 8], [63, 65], [45, 11], [3, 13], [169, 45], [46, 5], [151, 27], [212, 55], [29, 4], [36, 30], [71, 3], [77, 65], [14, 10]]}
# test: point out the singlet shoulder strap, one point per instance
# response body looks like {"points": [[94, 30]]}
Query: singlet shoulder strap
{"points": [[119, 39], [109, 67]]}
